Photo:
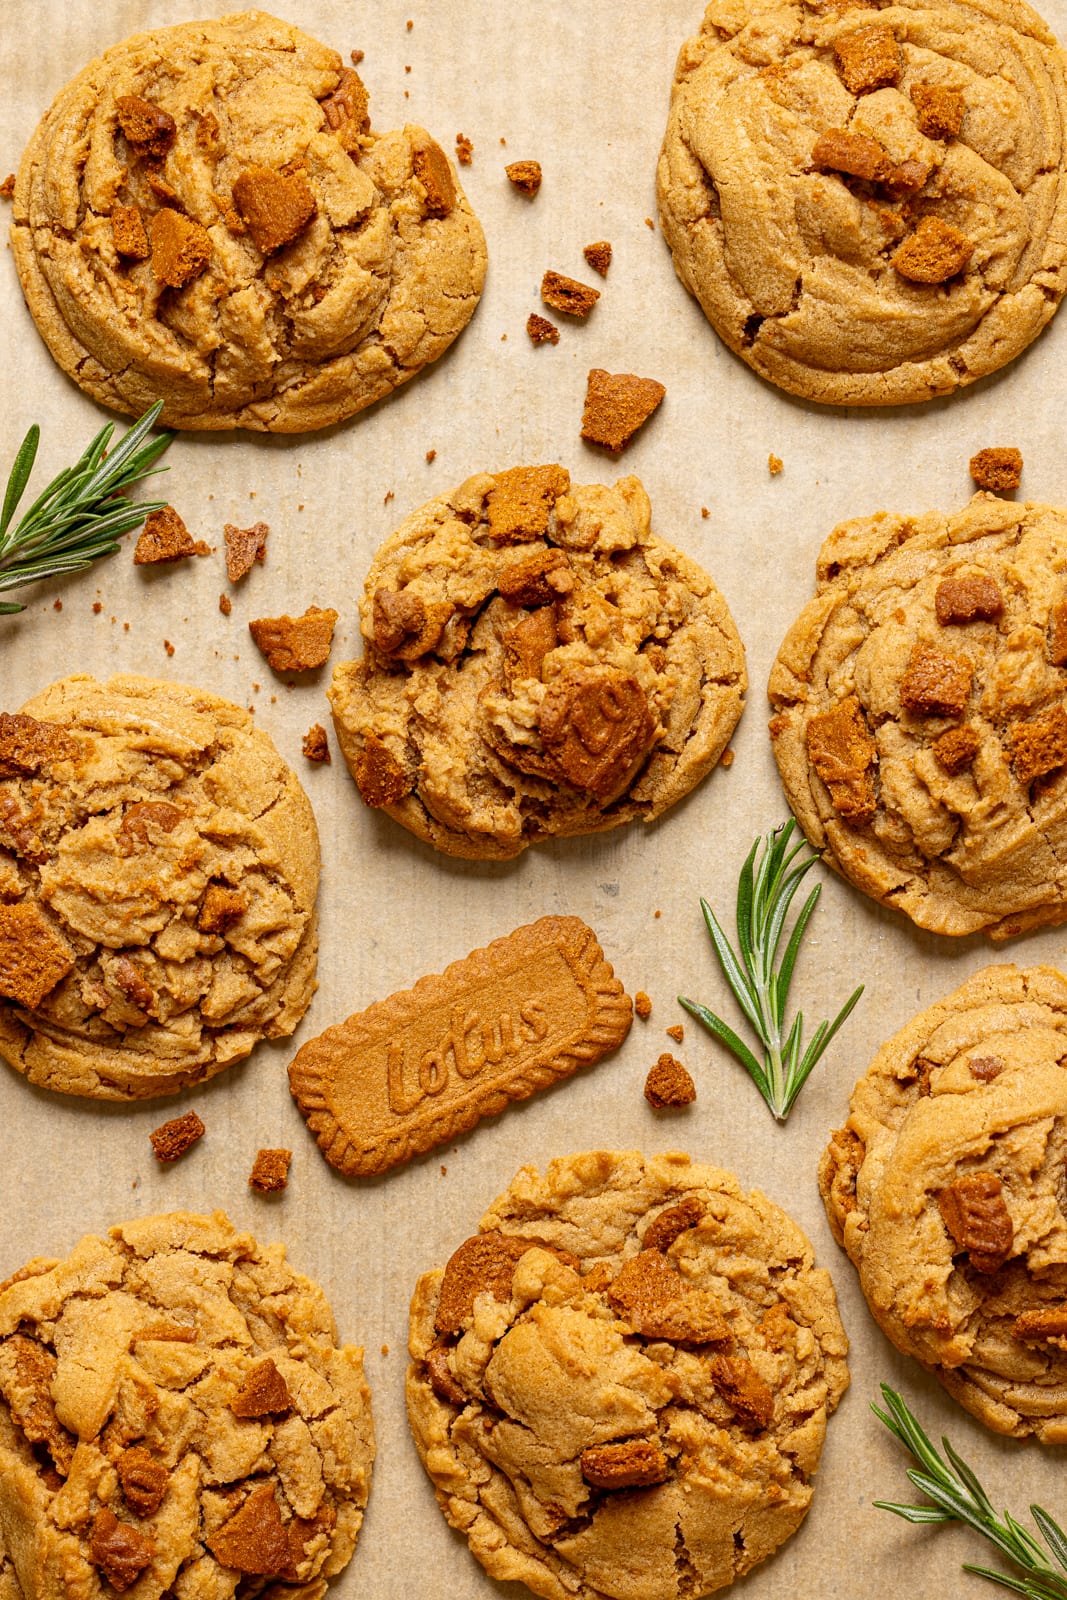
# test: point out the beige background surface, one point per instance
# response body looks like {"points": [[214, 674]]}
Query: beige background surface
{"points": [[581, 85]]}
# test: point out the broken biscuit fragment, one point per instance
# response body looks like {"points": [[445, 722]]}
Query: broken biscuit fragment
{"points": [[180, 249], [222, 907], [658, 1303], [275, 207], [565, 294], [172, 1139], [27, 745], [263, 1393], [596, 728], [1057, 637], [1042, 1325], [868, 58], [1039, 745], [669, 1084], [165, 537], [431, 168], [120, 1550], [255, 1539], [664, 1229], [974, 1211], [128, 233], [295, 644], [270, 1171], [843, 753], [347, 110], [939, 110], [33, 955], [935, 252], [316, 746], [837, 150], [745, 1392], [483, 1264], [243, 547], [524, 176], [998, 468], [598, 255], [149, 128], [955, 750], [628, 1464], [540, 330], [616, 405], [522, 500], [380, 778], [143, 1479], [936, 683], [977, 599]]}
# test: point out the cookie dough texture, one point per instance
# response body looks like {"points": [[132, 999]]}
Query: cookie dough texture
{"points": [[920, 728], [791, 259], [620, 1386], [974, 1088], [171, 858], [381, 274], [536, 662], [182, 1381]]}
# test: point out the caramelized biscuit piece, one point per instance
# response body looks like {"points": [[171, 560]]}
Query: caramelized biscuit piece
{"points": [[27, 745], [565, 294], [143, 1479], [26, 1372], [254, 1540], [380, 778], [172, 1139], [540, 330], [598, 255], [181, 249], [1042, 1325], [295, 644], [669, 1084], [243, 547], [534, 580], [967, 600], [1038, 746], [221, 908], [956, 749], [935, 252], [658, 1303], [868, 58], [616, 405], [642, 1004], [672, 1223], [936, 683], [464, 150], [128, 233], [148, 128], [521, 501], [910, 176], [263, 1392], [347, 110], [434, 173], [975, 1214], [677, 1033], [843, 753], [275, 207], [404, 626], [596, 727], [744, 1391], [120, 1550], [270, 1171], [142, 821], [439, 1373], [525, 176], [1057, 639], [627, 1464], [939, 110], [986, 1068], [34, 957], [528, 643], [999, 467], [483, 1264], [837, 150], [166, 538], [316, 746]]}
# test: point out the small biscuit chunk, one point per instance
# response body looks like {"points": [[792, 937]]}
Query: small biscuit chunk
{"points": [[7, 188], [616, 405], [222, 907], [745, 1392], [669, 1084], [642, 1004], [128, 233], [295, 644], [347, 110], [598, 255], [939, 110], [181, 249], [522, 500], [868, 58], [986, 1068], [596, 728], [1046, 1324], [255, 1539], [270, 1171], [380, 778], [959, 600], [264, 1392], [275, 207], [775, 464], [669, 1225], [1039, 745], [166, 538], [144, 1480], [147, 127], [435, 175], [243, 547], [956, 749], [27, 745], [464, 150], [677, 1032], [118, 1549], [837, 150], [1057, 636], [525, 176], [659, 1303], [998, 468], [629, 1464], [843, 754], [936, 683], [976, 1215], [225, 604], [565, 294], [540, 330], [316, 746], [935, 252], [33, 955], [172, 1139]]}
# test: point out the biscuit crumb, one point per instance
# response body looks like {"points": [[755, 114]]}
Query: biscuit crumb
{"points": [[270, 1171], [380, 778], [120, 1550], [33, 955], [676, 1032], [128, 233], [669, 1084], [935, 252], [431, 168], [628, 1464], [295, 644], [565, 294], [998, 468], [842, 752], [243, 547], [221, 908], [642, 1004], [225, 604], [275, 207], [172, 1139], [97, 608], [955, 750], [525, 176], [264, 1392], [774, 465], [316, 746], [356, 56], [959, 600], [255, 1538], [409, 24], [464, 150], [705, 513], [431, 455], [936, 683], [868, 58], [180, 249], [598, 255], [148, 128], [727, 759], [1038, 746], [657, 913], [616, 405], [166, 538], [650, 224], [168, 647], [385, 1349], [540, 330], [57, 605], [838, 150], [7, 188], [939, 110]]}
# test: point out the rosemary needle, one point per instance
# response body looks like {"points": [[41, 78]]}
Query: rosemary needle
{"points": [[760, 983], [82, 513]]}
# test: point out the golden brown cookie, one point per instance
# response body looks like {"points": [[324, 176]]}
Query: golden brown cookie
{"points": [[176, 1413], [205, 217], [536, 662], [869, 203], [920, 727], [158, 870], [946, 1187], [624, 1376]]}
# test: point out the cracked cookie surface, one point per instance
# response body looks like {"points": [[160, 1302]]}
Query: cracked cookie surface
{"points": [[920, 727], [869, 201], [176, 1414], [946, 1188], [205, 217], [536, 662], [620, 1385], [159, 864]]}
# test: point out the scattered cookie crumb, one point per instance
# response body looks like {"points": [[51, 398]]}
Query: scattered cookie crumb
{"points": [[57, 605], [316, 746], [650, 224], [270, 1171], [676, 1032], [172, 1139], [642, 1004], [540, 330], [165, 537], [225, 604], [356, 56], [409, 24], [444, 1171], [998, 468], [243, 547], [168, 647], [97, 608], [568, 295], [705, 513], [7, 188], [669, 1084], [657, 913], [385, 1349], [295, 644], [616, 405], [431, 455], [727, 759], [464, 150], [774, 465], [598, 256], [525, 176]]}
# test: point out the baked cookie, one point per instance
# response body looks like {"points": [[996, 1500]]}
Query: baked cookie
{"points": [[537, 662], [158, 870], [623, 1379], [204, 217], [869, 202], [176, 1413], [946, 1188], [921, 714]]}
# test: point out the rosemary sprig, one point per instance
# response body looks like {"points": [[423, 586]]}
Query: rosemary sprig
{"points": [[765, 891], [958, 1496], [81, 515]]}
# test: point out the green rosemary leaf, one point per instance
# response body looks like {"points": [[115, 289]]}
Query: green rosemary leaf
{"points": [[1052, 1534], [729, 1038], [20, 476]]}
